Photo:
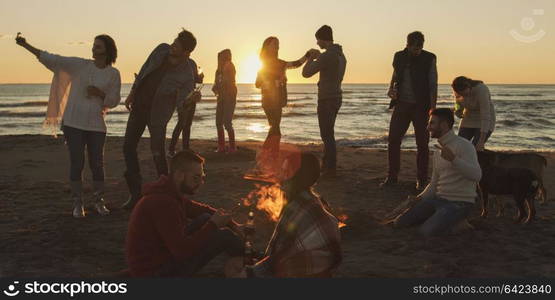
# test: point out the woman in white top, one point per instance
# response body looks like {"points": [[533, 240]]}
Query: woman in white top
{"points": [[81, 93], [476, 110]]}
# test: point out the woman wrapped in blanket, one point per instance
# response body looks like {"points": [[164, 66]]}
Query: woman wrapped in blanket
{"points": [[306, 241]]}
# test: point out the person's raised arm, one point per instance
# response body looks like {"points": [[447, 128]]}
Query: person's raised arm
{"points": [[21, 41], [297, 63], [313, 65]]}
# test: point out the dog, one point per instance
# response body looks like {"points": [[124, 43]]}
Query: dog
{"points": [[532, 161], [521, 183]]}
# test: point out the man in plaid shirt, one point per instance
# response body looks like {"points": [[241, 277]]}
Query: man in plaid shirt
{"points": [[306, 240]]}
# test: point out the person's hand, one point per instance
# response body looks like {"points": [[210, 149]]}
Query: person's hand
{"points": [[196, 96], [129, 101], [313, 53], [446, 152], [201, 77], [480, 146], [392, 93], [93, 91], [105, 110], [221, 218], [20, 40]]}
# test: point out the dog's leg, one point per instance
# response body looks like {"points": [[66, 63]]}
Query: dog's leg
{"points": [[531, 210], [519, 199], [484, 195]]}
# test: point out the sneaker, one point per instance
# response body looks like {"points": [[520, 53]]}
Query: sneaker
{"points": [[78, 210], [101, 208], [388, 182]]}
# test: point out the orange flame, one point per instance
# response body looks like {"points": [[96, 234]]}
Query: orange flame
{"points": [[270, 200], [342, 219]]}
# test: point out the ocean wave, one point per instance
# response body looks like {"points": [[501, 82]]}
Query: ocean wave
{"points": [[30, 114], [24, 104], [517, 95]]}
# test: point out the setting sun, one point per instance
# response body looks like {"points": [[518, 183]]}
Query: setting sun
{"points": [[248, 68]]}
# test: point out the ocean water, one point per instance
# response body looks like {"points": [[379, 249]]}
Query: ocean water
{"points": [[525, 115]]}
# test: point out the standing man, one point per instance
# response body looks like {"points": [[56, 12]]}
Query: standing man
{"points": [[331, 65], [413, 92], [165, 82]]}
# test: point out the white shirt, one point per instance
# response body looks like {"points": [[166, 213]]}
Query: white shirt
{"points": [[454, 180], [83, 112]]}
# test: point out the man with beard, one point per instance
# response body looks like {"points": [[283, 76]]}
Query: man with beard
{"points": [[450, 196], [170, 235], [165, 81], [413, 92]]}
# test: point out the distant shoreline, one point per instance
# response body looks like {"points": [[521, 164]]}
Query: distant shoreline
{"points": [[292, 83]]}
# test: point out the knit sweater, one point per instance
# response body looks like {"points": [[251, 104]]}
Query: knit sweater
{"points": [[454, 180], [82, 112], [478, 109]]}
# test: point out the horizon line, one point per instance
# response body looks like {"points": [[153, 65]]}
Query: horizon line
{"points": [[307, 83]]}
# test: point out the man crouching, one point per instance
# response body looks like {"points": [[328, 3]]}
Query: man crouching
{"points": [[172, 236]]}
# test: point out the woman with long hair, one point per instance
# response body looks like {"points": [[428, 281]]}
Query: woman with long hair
{"points": [[476, 110], [81, 93], [272, 82], [226, 93]]}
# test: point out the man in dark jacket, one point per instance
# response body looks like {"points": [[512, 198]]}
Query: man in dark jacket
{"points": [[331, 65], [165, 82], [170, 235], [413, 92]]}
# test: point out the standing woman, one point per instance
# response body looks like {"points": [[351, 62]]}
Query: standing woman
{"points": [[82, 91], [272, 82], [226, 92], [476, 110]]}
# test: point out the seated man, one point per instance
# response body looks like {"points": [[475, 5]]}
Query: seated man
{"points": [[306, 240], [160, 242], [450, 195]]}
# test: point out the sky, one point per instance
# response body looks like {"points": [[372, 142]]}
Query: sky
{"points": [[498, 41]]}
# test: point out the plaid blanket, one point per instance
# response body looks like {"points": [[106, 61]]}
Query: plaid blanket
{"points": [[305, 242]]}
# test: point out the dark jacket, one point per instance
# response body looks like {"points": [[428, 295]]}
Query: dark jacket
{"points": [[156, 232], [423, 85], [174, 88], [331, 64]]}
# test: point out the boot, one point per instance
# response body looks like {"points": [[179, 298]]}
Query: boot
{"points": [[134, 185], [98, 194], [221, 140], [232, 146], [77, 198]]}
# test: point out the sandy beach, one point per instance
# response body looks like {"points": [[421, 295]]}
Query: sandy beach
{"points": [[40, 238]]}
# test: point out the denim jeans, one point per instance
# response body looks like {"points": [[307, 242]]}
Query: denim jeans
{"points": [[136, 124], [224, 114], [473, 134], [224, 240], [183, 127], [436, 216], [77, 140], [327, 114], [403, 114]]}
